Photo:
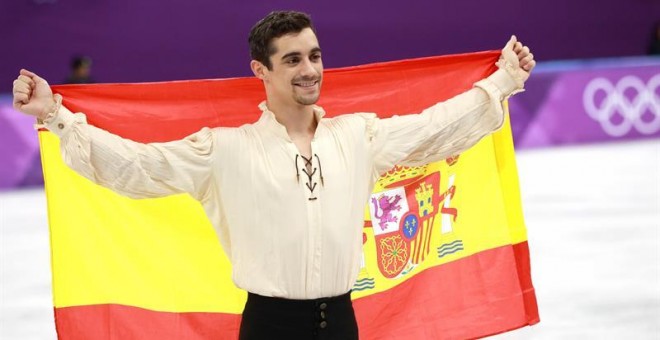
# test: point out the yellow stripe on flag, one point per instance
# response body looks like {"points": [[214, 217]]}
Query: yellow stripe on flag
{"points": [[84, 237], [147, 270], [508, 171]]}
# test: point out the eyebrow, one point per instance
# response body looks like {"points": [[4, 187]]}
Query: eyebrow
{"points": [[297, 54]]}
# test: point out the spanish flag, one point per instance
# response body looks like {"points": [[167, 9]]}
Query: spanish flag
{"points": [[455, 264]]}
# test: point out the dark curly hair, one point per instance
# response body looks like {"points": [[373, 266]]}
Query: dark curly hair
{"points": [[275, 25]]}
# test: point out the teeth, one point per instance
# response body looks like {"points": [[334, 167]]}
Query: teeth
{"points": [[305, 84]]}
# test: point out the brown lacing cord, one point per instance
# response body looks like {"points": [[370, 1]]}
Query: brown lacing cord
{"points": [[297, 170], [320, 169], [308, 161]]}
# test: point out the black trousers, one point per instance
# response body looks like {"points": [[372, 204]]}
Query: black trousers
{"points": [[266, 318]]}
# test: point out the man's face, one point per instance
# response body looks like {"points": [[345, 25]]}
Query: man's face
{"points": [[297, 69], [84, 70]]}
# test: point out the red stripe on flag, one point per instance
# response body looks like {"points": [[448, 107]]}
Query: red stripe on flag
{"points": [[173, 110], [490, 301], [524, 275], [113, 322], [484, 294]]}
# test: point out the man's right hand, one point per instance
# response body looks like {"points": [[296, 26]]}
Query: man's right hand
{"points": [[32, 95]]}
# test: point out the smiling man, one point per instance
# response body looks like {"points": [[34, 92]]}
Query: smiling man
{"points": [[289, 63], [297, 254]]}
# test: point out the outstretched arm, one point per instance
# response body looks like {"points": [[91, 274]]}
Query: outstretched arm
{"points": [[452, 126], [133, 169]]}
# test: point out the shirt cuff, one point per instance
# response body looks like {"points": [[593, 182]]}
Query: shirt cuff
{"points": [[503, 83], [61, 121]]}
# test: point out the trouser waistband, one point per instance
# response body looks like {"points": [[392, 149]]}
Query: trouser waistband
{"points": [[276, 302], [327, 318]]}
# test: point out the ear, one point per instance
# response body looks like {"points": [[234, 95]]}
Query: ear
{"points": [[259, 69]]}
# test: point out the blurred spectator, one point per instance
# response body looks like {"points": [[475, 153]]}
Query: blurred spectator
{"points": [[655, 43], [81, 67]]}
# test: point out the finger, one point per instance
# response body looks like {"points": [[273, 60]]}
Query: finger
{"points": [[524, 52], [509, 45], [22, 87], [24, 90], [530, 65], [518, 47], [32, 75], [526, 60], [27, 73], [26, 80], [20, 99]]}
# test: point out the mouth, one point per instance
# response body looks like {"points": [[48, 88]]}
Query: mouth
{"points": [[306, 84]]}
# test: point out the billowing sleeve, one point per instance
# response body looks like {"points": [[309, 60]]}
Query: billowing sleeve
{"points": [[444, 129], [134, 169]]}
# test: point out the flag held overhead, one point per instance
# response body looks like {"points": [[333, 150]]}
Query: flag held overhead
{"points": [[445, 247]]}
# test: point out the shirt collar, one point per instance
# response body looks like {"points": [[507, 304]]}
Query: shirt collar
{"points": [[268, 119]]}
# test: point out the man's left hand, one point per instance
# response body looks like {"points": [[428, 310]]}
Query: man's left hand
{"points": [[518, 55]]}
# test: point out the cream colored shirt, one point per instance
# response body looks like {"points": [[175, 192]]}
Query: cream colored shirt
{"points": [[287, 232]]}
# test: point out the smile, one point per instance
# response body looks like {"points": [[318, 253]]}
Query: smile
{"points": [[306, 83]]}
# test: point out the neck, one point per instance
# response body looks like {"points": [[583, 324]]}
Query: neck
{"points": [[299, 120]]}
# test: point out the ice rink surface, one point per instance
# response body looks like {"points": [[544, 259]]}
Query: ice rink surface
{"points": [[593, 220]]}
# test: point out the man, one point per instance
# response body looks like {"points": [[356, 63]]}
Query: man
{"points": [[285, 194], [81, 68]]}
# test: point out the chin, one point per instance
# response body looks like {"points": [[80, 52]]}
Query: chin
{"points": [[307, 100]]}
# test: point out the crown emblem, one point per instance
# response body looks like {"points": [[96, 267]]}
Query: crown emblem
{"points": [[400, 176]]}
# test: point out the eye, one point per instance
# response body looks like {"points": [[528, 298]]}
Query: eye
{"points": [[315, 57], [292, 61]]}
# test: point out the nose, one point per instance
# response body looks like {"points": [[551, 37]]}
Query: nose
{"points": [[307, 69]]}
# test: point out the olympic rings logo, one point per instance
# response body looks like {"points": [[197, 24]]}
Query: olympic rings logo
{"points": [[630, 111]]}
